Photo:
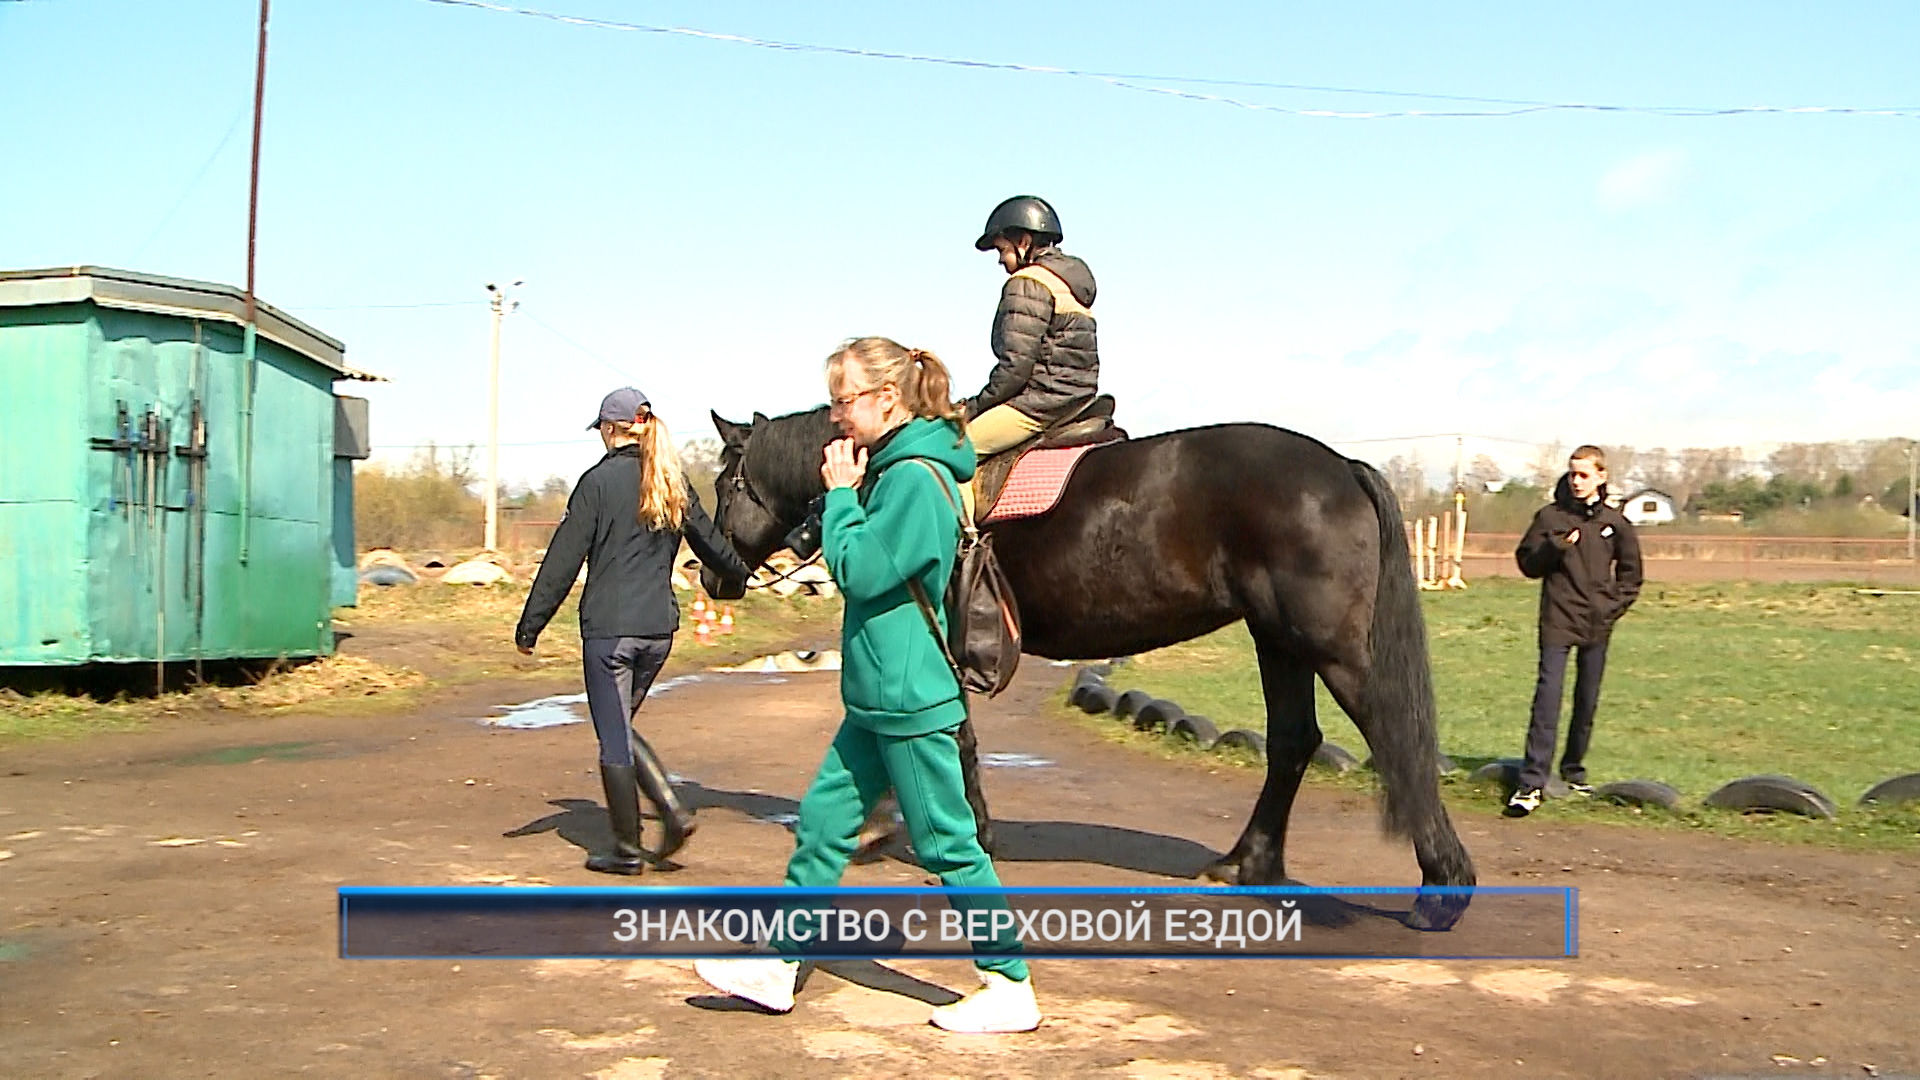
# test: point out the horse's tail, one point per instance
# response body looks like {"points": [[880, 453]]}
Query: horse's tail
{"points": [[1399, 687]]}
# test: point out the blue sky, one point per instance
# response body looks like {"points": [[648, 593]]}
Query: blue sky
{"points": [[706, 220]]}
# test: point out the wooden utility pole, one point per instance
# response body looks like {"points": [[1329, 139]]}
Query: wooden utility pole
{"points": [[249, 342], [1912, 499], [502, 307]]}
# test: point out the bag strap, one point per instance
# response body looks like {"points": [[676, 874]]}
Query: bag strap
{"points": [[926, 605], [966, 524]]}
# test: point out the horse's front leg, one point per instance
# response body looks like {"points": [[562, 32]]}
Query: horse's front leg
{"points": [[1293, 734]]}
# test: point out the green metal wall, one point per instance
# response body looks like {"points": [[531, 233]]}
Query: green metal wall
{"points": [[43, 509], [160, 577]]}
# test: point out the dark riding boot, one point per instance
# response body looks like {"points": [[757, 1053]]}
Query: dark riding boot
{"points": [[676, 820], [623, 811]]}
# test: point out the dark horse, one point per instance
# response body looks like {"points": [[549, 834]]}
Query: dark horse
{"points": [[1162, 539]]}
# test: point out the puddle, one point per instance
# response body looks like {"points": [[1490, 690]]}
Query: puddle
{"points": [[241, 755], [561, 709], [1014, 761], [542, 712]]}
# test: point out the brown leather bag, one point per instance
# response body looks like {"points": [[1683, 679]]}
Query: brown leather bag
{"points": [[982, 642]]}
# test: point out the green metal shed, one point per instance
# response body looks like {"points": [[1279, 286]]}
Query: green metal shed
{"points": [[139, 522]]}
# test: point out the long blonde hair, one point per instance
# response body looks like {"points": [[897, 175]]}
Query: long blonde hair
{"points": [[924, 382], [663, 485]]}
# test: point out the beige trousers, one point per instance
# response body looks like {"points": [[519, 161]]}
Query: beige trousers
{"points": [[1002, 427]]}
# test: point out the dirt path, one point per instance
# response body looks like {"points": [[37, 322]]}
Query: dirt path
{"points": [[170, 910]]}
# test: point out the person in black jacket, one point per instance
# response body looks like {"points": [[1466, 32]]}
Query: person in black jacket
{"points": [[1587, 559], [625, 520], [1043, 332]]}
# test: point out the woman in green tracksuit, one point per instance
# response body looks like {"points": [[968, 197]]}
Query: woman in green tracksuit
{"points": [[888, 521]]}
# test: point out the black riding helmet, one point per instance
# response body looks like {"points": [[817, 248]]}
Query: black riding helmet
{"points": [[1027, 212]]}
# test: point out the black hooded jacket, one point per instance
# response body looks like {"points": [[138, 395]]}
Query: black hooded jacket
{"points": [[629, 590], [1586, 586], [1044, 335]]}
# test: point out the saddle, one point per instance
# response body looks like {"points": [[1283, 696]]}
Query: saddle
{"points": [[1085, 429]]}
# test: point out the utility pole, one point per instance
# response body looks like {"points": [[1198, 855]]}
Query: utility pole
{"points": [[249, 343], [1911, 499], [502, 306]]}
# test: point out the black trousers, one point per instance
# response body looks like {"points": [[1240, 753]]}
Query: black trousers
{"points": [[619, 673], [1590, 663]]}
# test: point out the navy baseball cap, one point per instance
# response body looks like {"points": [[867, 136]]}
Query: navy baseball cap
{"points": [[621, 406]]}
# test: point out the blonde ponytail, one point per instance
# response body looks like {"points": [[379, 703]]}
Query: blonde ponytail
{"points": [[663, 486], [924, 382]]}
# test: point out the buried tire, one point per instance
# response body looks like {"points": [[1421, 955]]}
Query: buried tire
{"points": [[1157, 714], [1130, 703], [1093, 698], [1195, 729], [1241, 739], [1771, 793], [1894, 792], [1639, 793], [1506, 773], [1336, 758]]}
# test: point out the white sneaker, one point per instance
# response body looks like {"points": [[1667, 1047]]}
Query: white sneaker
{"points": [[767, 981], [1000, 1006]]}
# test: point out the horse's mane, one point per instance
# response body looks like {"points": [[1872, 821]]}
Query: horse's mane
{"points": [[786, 454]]}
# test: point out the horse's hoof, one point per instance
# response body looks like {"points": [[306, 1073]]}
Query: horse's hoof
{"points": [[1437, 911], [1221, 871], [873, 845], [988, 841]]}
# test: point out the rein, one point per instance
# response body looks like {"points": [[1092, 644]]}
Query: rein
{"points": [[743, 486]]}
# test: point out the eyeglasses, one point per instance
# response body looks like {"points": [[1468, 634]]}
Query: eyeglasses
{"points": [[846, 400]]}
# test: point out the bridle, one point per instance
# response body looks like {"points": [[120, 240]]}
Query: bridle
{"points": [[743, 486]]}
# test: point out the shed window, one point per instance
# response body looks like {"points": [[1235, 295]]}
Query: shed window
{"points": [[1649, 507]]}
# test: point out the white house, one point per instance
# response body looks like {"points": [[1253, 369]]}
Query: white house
{"points": [[1648, 507]]}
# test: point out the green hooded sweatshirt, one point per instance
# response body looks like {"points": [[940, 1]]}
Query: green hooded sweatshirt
{"points": [[898, 526]]}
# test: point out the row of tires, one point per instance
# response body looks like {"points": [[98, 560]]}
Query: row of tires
{"points": [[1769, 793]]}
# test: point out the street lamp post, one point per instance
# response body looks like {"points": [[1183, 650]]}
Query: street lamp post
{"points": [[1913, 498], [503, 305]]}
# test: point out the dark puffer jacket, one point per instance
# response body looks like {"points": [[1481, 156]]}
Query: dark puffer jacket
{"points": [[1587, 585], [1044, 336]]}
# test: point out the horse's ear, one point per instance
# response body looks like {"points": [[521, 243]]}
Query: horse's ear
{"points": [[759, 418], [732, 434]]}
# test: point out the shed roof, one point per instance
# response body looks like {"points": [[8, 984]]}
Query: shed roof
{"points": [[130, 291]]}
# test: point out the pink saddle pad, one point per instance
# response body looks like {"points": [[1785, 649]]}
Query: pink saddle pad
{"points": [[1036, 483]]}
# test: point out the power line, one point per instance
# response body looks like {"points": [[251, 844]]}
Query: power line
{"points": [[1137, 82], [373, 307], [582, 349], [192, 185]]}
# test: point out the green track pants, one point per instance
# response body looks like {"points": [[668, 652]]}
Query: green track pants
{"points": [[924, 773]]}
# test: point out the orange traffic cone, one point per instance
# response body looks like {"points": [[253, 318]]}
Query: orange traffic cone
{"points": [[726, 619]]}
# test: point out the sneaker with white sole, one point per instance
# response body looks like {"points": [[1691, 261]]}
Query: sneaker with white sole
{"points": [[1524, 801], [767, 981], [1001, 1006]]}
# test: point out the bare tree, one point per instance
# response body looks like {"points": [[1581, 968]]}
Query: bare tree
{"points": [[1655, 468], [1549, 462], [1482, 472], [1620, 465]]}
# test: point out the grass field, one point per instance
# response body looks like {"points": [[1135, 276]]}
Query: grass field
{"points": [[1704, 684]]}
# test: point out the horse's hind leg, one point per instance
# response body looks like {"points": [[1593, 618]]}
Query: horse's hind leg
{"points": [[976, 796], [1293, 734], [1415, 808]]}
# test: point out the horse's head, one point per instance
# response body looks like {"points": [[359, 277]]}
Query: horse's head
{"points": [[758, 496]]}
